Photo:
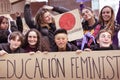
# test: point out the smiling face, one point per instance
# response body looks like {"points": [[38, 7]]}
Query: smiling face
{"points": [[15, 43], [105, 39], [4, 24], [87, 14], [61, 40], [32, 38], [106, 14], [47, 17]]}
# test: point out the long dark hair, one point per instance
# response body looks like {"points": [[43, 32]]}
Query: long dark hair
{"points": [[40, 45], [38, 37], [1, 19]]}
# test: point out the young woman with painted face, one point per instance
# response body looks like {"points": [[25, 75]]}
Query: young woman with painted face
{"points": [[14, 44], [104, 40], [107, 21], [35, 42], [90, 25]]}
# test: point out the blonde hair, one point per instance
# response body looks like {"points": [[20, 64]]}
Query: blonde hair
{"points": [[110, 24]]}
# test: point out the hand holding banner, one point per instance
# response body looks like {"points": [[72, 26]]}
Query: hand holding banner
{"points": [[94, 65]]}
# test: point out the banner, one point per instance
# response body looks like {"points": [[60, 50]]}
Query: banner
{"points": [[94, 65], [71, 22]]}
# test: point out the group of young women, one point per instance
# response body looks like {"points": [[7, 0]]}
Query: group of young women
{"points": [[99, 34], [92, 26]]}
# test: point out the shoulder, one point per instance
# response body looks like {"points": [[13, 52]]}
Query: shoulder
{"points": [[4, 46], [20, 50], [117, 26], [71, 47]]}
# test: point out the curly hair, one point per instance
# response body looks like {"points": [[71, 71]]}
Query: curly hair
{"points": [[41, 44]]}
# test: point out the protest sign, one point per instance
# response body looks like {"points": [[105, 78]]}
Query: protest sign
{"points": [[94, 65], [71, 22]]}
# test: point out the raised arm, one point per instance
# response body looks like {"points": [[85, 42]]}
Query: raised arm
{"points": [[58, 9], [28, 15], [19, 22]]}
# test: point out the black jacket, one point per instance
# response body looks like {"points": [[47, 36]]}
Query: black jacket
{"points": [[97, 47], [6, 47], [69, 47]]}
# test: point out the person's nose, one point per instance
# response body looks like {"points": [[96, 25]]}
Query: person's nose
{"points": [[106, 38], [61, 40]]}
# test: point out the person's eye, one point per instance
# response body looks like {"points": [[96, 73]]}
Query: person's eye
{"points": [[103, 36], [63, 38], [29, 36], [87, 11], [109, 37], [83, 14], [34, 36], [103, 12], [58, 38], [108, 12]]}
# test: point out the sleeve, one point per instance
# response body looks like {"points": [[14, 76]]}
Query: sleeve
{"points": [[117, 26], [4, 36], [118, 14], [60, 9], [19, 24], [72, 47], [1, 47], [28, 16], [13, 26]]}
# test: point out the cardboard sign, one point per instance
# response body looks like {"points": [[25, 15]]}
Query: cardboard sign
{"points": [[71, 22], [5, 7], [94, 65]]}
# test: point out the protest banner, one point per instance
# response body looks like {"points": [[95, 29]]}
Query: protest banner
{"points": [[94, 65], [71, 22]]}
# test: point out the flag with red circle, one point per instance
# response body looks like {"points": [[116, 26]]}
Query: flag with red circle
{"points": [[71, 22]]}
